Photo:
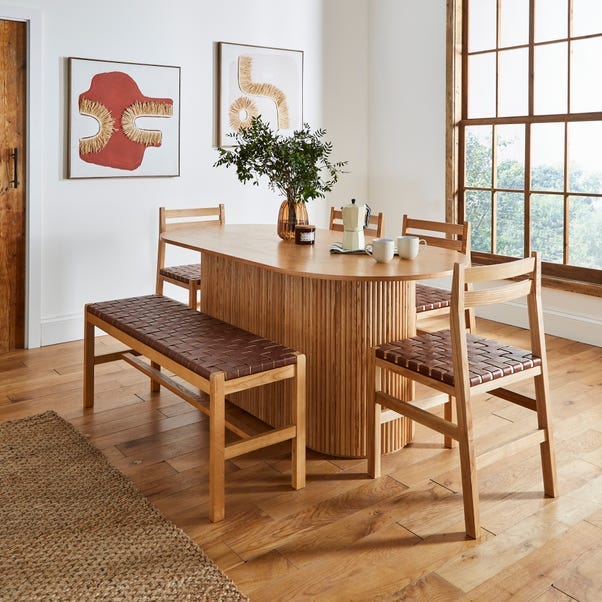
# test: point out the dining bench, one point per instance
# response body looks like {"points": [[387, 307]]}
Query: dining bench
{"points": [[212, 356]]}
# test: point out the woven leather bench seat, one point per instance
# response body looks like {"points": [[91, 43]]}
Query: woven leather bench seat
{"points": [[429, 298], [183, 273], [178, 343], [194, 340], [430, 354]]}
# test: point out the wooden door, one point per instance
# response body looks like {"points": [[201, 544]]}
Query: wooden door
{"points": [[13, 71]]}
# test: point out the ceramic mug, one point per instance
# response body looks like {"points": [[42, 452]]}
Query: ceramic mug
{"points": [[408, 247], [383, 249]]}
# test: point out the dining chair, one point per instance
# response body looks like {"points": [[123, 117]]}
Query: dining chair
{"points": [[186, 276], [375, 226], [461, 365], [431, 300]]}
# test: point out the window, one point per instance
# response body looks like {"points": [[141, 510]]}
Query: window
{"points": [[526, 125]]}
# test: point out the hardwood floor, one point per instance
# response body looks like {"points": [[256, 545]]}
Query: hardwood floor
{"points": [[347, 537]]}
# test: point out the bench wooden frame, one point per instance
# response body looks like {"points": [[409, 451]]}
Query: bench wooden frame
{"points": [[221, 416]]}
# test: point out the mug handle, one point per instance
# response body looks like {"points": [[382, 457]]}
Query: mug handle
{"points": [[422, 242]]}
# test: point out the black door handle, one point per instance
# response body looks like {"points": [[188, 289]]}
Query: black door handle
{"points": [[15, 156]]}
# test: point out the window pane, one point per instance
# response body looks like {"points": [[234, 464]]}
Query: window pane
{"points": [[478, 156], [513, 82], [547, 156], [586, 80], [478, 212], [587, 17], [585, 225], [481, 25], [547, 226], [510, 155], [550, 86], [481, 85], [585, 153], [510, 224], [514, 22], [551, 20]]}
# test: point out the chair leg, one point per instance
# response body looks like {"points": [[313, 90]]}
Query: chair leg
{"points": [[155, 386], [159, 286], [192, 296], [471, 323], [217, 442], [548, 458], [298, 413], [448, 414], [468, 468], [373, 428], [88, 397]]}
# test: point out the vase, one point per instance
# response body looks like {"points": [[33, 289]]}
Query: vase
{"points": [[290, 214]]}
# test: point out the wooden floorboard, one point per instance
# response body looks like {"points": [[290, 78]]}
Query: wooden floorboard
{"points": [[345, 536]]}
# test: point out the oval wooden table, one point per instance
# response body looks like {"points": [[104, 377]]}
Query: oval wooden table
{"points": [[332, 307]]}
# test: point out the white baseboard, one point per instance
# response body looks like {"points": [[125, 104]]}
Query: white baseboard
{"points": [[561, 324], [62, 329], [569, 326]]}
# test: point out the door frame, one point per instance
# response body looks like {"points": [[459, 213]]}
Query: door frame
{"points": [[34, 171]]}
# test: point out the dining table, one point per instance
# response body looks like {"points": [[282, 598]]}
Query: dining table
{"points": [[333, 307]]}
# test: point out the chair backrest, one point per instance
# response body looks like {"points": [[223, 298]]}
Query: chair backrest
{"points": [[375, 226], [504, 282], [459, 233], [174, 219]]}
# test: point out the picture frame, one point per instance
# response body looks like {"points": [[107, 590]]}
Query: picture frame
{"points": [[124, 119], [258, 80]]}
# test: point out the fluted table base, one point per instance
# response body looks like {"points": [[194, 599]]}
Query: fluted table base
{"points": [[335, 323]]}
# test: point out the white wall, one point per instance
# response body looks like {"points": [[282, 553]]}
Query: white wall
{"points": [[406, 164], [406, 143], [367, 65], [97, 238]]}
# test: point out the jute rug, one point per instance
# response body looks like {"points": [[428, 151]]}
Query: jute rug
{"points": [[74, 528]]}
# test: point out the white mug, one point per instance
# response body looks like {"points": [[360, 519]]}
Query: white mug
{"points": [[408, 247], [383, 249]]}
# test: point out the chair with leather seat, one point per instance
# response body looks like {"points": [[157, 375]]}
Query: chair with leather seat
{"points": [[460, 365], [431, 300], [187, 276], [374, 229]]}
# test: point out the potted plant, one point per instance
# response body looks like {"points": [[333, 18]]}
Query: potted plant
{"points": [[298, 166]]}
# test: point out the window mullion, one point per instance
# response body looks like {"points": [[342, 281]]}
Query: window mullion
{"points": [[565, 225], [531, 105]]}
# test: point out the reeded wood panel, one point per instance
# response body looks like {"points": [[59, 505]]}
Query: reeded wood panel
{"points": [[335, 323]]}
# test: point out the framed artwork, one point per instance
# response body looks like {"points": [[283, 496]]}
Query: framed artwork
{"points": [[256, 80], [124, 119]]}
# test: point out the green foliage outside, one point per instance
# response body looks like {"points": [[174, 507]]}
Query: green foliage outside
{"points": [[547, 211]]}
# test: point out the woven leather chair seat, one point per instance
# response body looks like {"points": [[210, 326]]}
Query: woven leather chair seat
{"points": [[183, 273], [195, 340], [430, 297], [430, 354]]}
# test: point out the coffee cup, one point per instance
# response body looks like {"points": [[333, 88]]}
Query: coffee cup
{"points": [[383, 249], [408, 247]]}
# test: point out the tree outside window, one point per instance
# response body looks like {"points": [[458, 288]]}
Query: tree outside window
{"points": [[529, 131]]}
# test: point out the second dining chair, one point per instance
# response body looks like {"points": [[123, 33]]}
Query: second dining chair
{"points": [[461, 365], [374, 229], [430, 300], [187, 276]]}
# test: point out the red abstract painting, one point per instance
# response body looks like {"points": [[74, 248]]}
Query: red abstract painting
{"points": [[115, 101]]}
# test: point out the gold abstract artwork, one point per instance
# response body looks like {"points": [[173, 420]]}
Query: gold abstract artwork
{"points": [[245, 81]]}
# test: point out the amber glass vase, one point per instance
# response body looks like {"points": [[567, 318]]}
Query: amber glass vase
{"points": [[291, 213]]}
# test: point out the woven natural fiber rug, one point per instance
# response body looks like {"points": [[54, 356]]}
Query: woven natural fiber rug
{"points": [[74, 528]]}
